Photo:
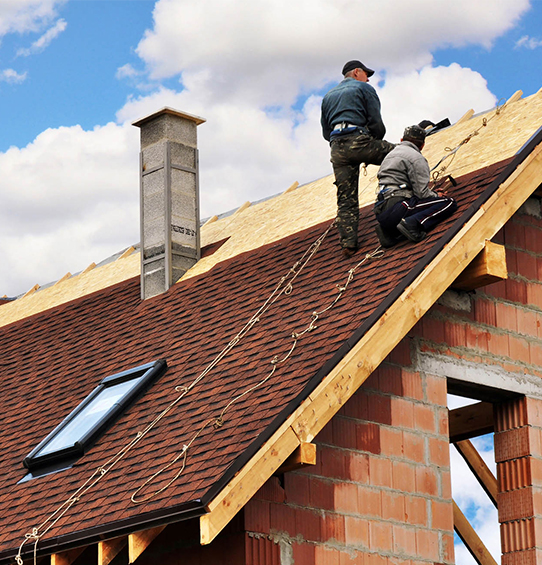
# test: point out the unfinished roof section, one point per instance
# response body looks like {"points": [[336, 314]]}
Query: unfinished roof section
{"points": [[304, 206], [263, 397]]}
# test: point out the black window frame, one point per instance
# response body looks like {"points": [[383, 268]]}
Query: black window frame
{"points": [[65, 457]]}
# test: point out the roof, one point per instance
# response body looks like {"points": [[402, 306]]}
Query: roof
{"points": [[301, 207], [53, 359]]}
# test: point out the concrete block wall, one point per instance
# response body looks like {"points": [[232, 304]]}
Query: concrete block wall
{"points": [[380, 492]]}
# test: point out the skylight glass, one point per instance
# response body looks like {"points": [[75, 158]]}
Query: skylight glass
{"points": [[97, 412]]}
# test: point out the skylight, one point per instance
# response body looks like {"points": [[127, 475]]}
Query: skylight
{"points": [[83, 427]]}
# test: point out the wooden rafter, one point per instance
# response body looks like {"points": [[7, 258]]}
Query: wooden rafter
{"points": [[304, 455], [108, 550], [479, 468], [471, 539], [488, 267], [365, 356], [66, 557], [139, 541], [470, 421]]}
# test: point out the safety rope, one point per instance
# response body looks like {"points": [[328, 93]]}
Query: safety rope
{"points": [[285, 286], [218, 422]]}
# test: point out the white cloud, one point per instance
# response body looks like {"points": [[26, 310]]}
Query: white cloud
{"points": [[69, 198], [45, 40], [127, 71], [12, 77], [22, 16], [528, 42]]}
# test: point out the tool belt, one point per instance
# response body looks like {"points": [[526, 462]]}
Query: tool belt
{"points": [[389, 195], [345, 128]]}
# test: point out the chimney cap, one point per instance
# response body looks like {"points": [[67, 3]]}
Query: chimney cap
{"points": [[173, 112]]}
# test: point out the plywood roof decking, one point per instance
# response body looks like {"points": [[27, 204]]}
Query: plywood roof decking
{"points": [[84, 340], [309, 204]]}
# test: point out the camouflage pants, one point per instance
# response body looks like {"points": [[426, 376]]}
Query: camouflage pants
{"points": [[347, 153]]}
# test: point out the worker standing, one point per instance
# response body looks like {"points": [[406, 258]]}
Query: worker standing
{"points": [[406, 206], [352, 123]]}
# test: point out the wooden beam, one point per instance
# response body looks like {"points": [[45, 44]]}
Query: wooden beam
{"points": [[243, 207], [365, 356], [488, 267], [304, 455], [89, 268], [66, 557], [211, 220], [471, 539], [126, 253], [139, 541], [466, 116], [470, 421], [31, 291], [64, 278], [479, 468], [292, 187], [109, 549], [515, 97]]}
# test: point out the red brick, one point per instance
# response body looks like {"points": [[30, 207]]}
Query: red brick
{"points": [[424, 418], [516, 291], [344, 432], [257, 516], [390, 379], [477, 338], [414, 447], [401, 353], [325, 435], [402, 413], [404, 540], [258, 551], [519, 348], [534, 411], [412, 384], [391, 441], [333, 463], [506, 316], [514, 234], [526, 265], [304, 553], [380, 536], [393, 506], [534, 294], [404, 476], [455, 334], [532, 237], [358, 467], [442, 515], [527, 322], [439, 451], [498, 344], [379, 409], [433, 329], [515, 505], [356, 407], [346, 497], [283, 519], [426, 481], [443, 422], [448, 548], [356, 531], [416, 510], [446, 484], [369, 502], [321, 494], [485, 312], [436, 390], [380, 473], [368, 438], [326, 556], [296, 487], [535, 353], [427, 545], [272, 491], [308, 524], [511, 444], [334, 528]]}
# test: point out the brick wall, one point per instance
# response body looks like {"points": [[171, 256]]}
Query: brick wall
{"points": [[380, 492]]}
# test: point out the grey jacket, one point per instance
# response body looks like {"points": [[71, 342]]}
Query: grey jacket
{"points": [[353, 102], [406, 165]]}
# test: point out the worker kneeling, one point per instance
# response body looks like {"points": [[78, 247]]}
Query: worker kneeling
{"points": [[406, 206]]}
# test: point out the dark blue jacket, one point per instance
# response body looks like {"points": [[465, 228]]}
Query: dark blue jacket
{"points": [[353, 102]]}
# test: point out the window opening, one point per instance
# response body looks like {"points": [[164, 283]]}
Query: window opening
{"points": [[76, 434]]}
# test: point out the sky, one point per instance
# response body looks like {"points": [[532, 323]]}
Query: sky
{"points": [[74, 75]]}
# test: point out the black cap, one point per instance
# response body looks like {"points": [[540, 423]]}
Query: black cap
{"points": [[351, 65], [415, 133]]}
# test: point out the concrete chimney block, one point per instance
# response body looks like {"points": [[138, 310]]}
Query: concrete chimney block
{"points": [[169, 191]]}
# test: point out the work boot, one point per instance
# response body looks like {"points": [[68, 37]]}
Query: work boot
{"points": [[411, 231], [385, 238], [349, 251]]}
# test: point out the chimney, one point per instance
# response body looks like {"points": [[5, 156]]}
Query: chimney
{"points": [[169, 198]]}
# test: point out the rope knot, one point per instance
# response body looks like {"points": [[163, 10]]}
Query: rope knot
{"points": [[295, 335], [218, 423], [289, 288], [275, 360]]}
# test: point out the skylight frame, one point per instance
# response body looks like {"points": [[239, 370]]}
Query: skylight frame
{"points": [[64, 457]]}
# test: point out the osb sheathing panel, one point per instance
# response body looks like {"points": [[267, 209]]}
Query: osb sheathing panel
{"points": [[307, 205]]}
